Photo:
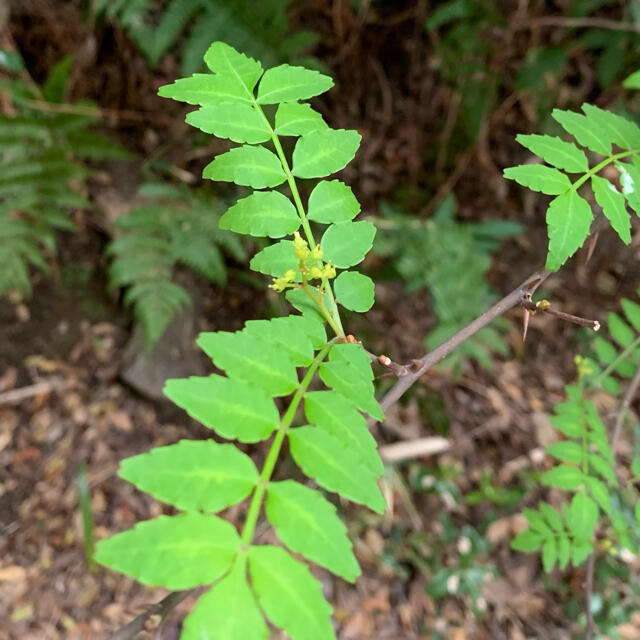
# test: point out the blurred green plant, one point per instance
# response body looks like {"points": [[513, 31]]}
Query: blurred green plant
{"points": [[259, 28], [454, 560], [604, 512], [175, 226], [432, 255], [463, 32], [42, 173]]}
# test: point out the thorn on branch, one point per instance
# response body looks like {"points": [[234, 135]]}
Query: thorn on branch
{"points": [[531, 308]]}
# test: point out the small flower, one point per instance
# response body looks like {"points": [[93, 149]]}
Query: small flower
{"points": [[316, 272], [316, 252], [300, 246]]}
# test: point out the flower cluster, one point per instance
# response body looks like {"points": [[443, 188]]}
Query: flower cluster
{"points": [[310, 264]]}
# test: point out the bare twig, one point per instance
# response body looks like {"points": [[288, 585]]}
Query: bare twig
{"points": [[410, 449], [587, 23], [14, 396], [588, 595], [434, 357], [624, 407], [161, 609], [545, 306]]}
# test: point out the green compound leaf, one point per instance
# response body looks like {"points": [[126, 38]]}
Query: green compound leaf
{"points": [[630, 183], [632, 81], [537, 522], [233, 120], [295, 119], [275, 259], [602, 466], [292, 334], [583, 131], [549, 554], [527, 541], [205, 89], [566, 450], [551, 516], [336, 415], [301, 301], [632, 311], [582, 516], [345, 244], [355, 356], [563, 477], [286, 83], [308, 524], [613, 206], [348, 382], [245, 357], [224, 60], [323, 152], [555, 151], [326, 459], [332, 201], [233, 408], [619, 130], [605, 351], [289, 595], [354, 291], [568, 220], [600, 493], [580, 551], [620, 331], [193, 475], [263, 213], [176, 552], [248, 166], [564, 550], [539, 177], [228, 611]]}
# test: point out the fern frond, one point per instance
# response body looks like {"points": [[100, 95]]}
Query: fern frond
{"points": [[174, 227], [431, 256]]}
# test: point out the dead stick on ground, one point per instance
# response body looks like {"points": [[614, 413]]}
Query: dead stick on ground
{"points": [[14, 396]]}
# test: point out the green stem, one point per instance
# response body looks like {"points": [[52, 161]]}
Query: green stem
{"points": [[270, 462], [592, 172], [336, 325], [319, 302]]}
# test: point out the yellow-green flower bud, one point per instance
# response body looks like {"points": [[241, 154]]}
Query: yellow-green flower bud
{"points": [[290, 275], [329, 271], [300, 246], [316, 272], [316, 252]]}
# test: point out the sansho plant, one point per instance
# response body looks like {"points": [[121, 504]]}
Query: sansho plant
{"points": [[280, 360]]}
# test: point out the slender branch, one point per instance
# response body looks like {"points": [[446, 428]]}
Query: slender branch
{"points": [[140, 623], [624, 407], [590, 627], [434, 357]]}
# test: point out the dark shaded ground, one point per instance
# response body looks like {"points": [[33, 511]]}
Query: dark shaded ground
{"points": [[71, 335]]}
